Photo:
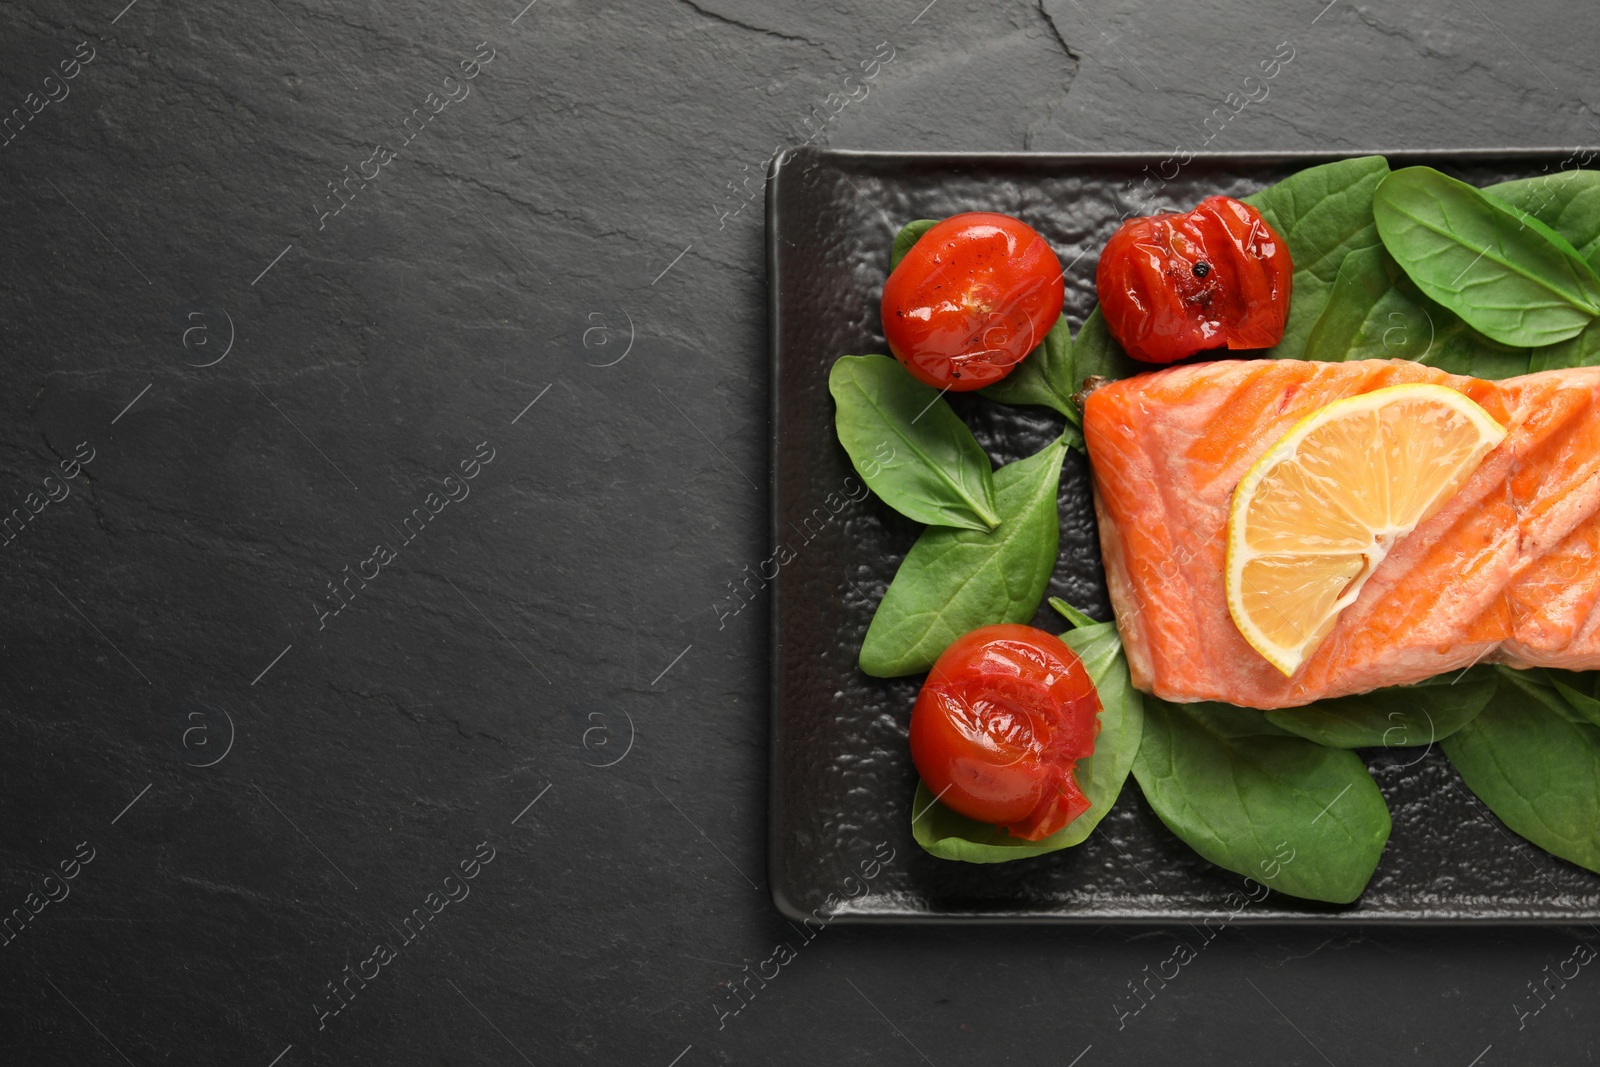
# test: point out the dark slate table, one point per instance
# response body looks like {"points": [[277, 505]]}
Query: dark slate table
{"points": [[365, 697]]}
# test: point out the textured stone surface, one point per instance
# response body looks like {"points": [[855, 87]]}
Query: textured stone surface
{"points": [[499, 258]]}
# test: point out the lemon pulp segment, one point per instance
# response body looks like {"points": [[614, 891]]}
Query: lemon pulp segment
{"points": [[1321, 509]]}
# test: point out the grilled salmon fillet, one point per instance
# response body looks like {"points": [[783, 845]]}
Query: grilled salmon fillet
{"points": [[1506, 571]]}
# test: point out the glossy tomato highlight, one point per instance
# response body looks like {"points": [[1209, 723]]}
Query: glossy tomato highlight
{"points": [[999, 726], [1174, 285], [973, 296]]}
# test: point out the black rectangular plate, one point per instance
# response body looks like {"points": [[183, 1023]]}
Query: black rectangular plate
{"points": [[841, 774]]}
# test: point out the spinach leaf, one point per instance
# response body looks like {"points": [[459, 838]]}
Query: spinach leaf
{"points": [[1580, 691], [1459, 349], [953, 581], [1101, 776], [950, 836], [1077, 618], [1324, 213], [1398, 717], [1506, 274], [1304, 819], [1534, 766], [1375, 312], [911, 449], [1580, 351], [909, 235], [1047, 376], [1367, 316], [1567, 201], [1096, 354]]}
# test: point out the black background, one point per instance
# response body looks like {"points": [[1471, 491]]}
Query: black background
{"points": [[165, 614]]}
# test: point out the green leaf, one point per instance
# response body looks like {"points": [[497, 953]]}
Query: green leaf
{"points": [[1045, 376], [950, 836], [1077, 618], [1580, 691], [1534, 767], [1096, 354], [953, 581], [1375, 312], [909, 235], [1100, 777], [1580, 351], [1304, 819], [1399, 717], [1366, 316], [1567, 201], [1324, 213], [1457, 348], [1351, 299], [1506, 274], [911, 449]]}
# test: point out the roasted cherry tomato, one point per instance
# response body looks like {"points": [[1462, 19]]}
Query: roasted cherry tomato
{"points": [[974, 295], [1000, 724], [1174, 285]]}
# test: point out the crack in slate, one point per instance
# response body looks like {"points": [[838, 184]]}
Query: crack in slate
{"points": [[728, 20]]}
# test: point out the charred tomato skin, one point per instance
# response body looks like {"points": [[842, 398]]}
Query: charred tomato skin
{"points": [[996, 733], [974, 295], [1174, 285]]}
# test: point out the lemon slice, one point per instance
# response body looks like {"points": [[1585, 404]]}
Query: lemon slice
{"points": [[1316, 515]]}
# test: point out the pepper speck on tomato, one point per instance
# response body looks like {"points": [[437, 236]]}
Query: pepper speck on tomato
{"points": [[999, 726], [975, 294], [1174, 285]]}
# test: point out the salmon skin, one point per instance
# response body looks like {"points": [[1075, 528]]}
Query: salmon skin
{"points": [[1507, 571]]}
